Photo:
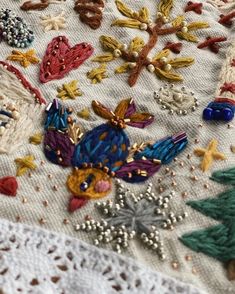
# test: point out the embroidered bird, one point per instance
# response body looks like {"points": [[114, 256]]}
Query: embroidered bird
{"points": [[24, 58], [103, 153], [209, 155], [53, 22]]}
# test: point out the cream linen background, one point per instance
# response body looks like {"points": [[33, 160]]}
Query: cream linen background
{"points": [[202, 78]]}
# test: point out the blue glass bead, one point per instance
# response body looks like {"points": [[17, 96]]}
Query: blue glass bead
{"points": [[83, 186]]}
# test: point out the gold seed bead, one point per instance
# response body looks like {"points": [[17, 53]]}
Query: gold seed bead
{"points": [[37, 188], [206, 186], [175, 159], [66, 221], [167, 170], [194, 271], [184, 194], [55, 188], [200, 125], [24, 200], [173, 174], [45, 203], [229, 126], [175, 265], [192, 168], [189, 156], [50, 176], [42, 221], [159, 180], [173, 184], [196, 141], [188, 257], [160, 189], [30, 175], [42, 162], [181, 163], [18, 218], [194, 178]]}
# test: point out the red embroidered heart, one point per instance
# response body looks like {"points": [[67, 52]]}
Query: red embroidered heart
{"points": [[60, 58], [76, 203], [8, 186]]}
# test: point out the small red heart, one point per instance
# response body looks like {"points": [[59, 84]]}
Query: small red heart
{"points": [[8, 186], [60, 58], [76, 203]]}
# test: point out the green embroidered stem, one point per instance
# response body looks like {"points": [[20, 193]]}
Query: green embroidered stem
{"points": [[226, 177]]}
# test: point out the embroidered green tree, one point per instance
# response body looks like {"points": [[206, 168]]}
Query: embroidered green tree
{"points": [[217, 241], [136, 54]]}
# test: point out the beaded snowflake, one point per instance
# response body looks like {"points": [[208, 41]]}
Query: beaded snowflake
{"points": [[132, 216]]}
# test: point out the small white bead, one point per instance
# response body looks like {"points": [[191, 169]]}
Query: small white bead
{"points": [[15, 114], [165, 19], [124, 47], [167, 67], [143, 26], [163, 60], [184, 23], [117, 53], [135, 54], [151, 68], [2, 130], [184, 30], [132, 64]]}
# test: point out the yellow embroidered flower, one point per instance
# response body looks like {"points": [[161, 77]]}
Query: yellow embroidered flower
{"points": [[25, 59], [69, 91], [24, 164], [97, 74]]}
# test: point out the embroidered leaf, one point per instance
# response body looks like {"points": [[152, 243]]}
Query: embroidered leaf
{"points": [[167, 75], [109, 43], [181, 62], [128, 23], [123, 68], [104, 58], [136, 44], [177, 21], [187, 36], [165, 7], [144, 14], [197, 25], [140, 120], [124, 9], [101, 110], [122, 108], [163, 53]]}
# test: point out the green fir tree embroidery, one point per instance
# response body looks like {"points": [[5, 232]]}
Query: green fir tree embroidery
{"points": [[217, 241]]}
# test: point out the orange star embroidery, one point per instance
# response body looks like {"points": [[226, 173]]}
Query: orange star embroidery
{"points": [[209, 155], [25, 59]]}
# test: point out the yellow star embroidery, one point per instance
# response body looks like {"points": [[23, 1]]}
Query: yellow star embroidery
{"points": [[69, 91], [24, 164], [25, 59], [209, 154], [85, 113], [96, 75]]}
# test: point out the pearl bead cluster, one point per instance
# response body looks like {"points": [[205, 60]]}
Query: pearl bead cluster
{"points": [[14, 29], [176, 100], [8, 114], [131, 216]]}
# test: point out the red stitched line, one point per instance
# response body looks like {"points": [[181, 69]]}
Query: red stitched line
{"points": [[24, 82], [231, 101], [227, 19], [196, 7]]}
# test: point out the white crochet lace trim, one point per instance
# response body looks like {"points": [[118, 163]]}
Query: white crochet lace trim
{"points": [[40, 262]]}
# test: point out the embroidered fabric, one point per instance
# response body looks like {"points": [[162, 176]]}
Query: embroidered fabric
{"points": [[40, 262]]}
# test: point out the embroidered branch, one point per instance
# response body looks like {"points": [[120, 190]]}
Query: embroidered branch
{"points": [[25, 164], [136, 54], [69, 91]]}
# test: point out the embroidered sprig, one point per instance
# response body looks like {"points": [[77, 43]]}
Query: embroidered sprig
{"points": [[136, 54], [209, 155], [36, 139], [53, 22], [24, 58], [69, 91], [96, 75], [133, 216], [25, 164]]}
